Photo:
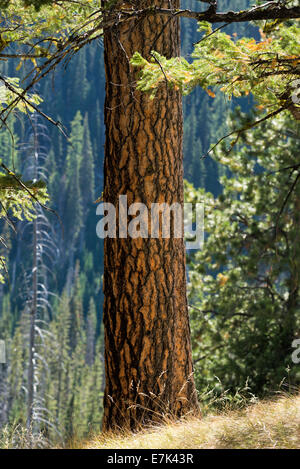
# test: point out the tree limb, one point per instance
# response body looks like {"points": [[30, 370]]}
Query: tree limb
{"points": [[253, 14]]}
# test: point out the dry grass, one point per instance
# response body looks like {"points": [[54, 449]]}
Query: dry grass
{"points": [[267, 424], [17, 437]]}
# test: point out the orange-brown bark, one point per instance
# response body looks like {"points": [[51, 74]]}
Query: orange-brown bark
{"points": [[147, 339]]}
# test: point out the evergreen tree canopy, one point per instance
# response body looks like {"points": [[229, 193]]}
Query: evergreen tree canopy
{"points": [[244, 284]]}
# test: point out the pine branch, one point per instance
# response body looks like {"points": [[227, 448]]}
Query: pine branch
{"points": [[253, 14]]}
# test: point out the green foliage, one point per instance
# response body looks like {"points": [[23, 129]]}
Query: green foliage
{"points": [[18, 202], [10, 89], [38, 17], [42, 33], [244, 284], [265, 68], [36, 3]]}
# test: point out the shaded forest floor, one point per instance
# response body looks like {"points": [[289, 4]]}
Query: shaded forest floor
{"points": [[266, 424]]}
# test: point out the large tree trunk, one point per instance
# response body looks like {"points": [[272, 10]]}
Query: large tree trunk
{"points": [[149, 370]]}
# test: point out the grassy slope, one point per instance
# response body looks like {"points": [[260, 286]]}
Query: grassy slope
{"points": [[263, 425]]}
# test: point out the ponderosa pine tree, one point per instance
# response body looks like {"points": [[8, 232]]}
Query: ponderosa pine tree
{"points": [[148, 360]]}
